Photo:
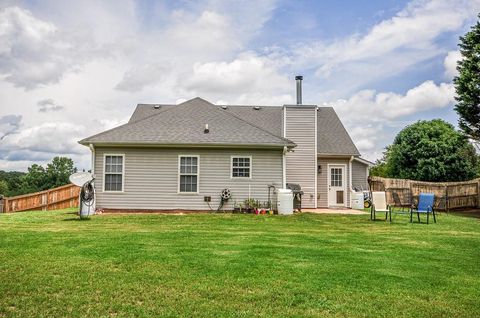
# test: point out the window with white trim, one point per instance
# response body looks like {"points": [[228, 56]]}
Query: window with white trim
{"points": [[113, 173], [241, 167], [188, 174]]}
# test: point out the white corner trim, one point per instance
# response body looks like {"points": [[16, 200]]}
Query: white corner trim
{"points": [[316, 158], [350, 173], [284, 168]]}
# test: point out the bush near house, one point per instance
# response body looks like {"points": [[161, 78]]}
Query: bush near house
{"points": [[225, 265]]}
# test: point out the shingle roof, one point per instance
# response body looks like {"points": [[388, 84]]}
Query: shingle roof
{"points": [[269, 118], [146, 110], [332, 137], [185, 124], [251, 124]]}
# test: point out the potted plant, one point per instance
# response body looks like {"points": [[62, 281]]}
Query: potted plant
{"points": [[236, 208], [250, 205]]}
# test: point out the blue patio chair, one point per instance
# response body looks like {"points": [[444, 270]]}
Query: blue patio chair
{"points": [[425, 205]]}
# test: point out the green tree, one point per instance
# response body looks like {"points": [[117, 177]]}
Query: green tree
{"points": [[35, 179], [13, 180], [432, 151], [381, 167], [467, 83], [59, 170], [3, 188]]}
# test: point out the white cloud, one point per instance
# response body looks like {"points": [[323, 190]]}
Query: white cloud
{"points": [[9, 124], [247, 73], [45, 138], [31, 50], [450, 64], [372, 118], [48, 105], [373, 106], [98, 59], [388, 48]]}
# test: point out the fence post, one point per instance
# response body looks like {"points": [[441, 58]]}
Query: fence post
{"points": [[447, 203], [478, 194], [5, 205]]}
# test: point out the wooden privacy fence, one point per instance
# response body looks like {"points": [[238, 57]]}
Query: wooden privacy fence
{"points": [[58, 198], [448, 195]]}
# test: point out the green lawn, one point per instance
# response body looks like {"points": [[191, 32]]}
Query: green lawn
{"points": [[53, 265]]}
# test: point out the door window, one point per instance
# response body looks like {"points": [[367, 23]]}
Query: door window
{"points": [[336, 177]]}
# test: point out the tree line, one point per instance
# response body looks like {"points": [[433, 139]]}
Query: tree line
{"points": [[434, 150], [38, 178]]}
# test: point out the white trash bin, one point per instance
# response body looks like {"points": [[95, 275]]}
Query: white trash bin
{"points": [[357, 200], [285, 201]]}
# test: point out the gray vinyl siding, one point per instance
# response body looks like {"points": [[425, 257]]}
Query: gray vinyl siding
{"points": [[151, 178], [359, 175], [322, 180], [301, 164]]}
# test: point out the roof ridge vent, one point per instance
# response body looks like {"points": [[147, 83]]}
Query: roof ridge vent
{"points": [[256, 107]]}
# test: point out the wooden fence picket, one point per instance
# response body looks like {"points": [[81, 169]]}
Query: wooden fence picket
{"points": [[58, 198]]}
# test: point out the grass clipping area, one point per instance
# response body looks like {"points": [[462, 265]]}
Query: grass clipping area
{"points": [[53, 265]]}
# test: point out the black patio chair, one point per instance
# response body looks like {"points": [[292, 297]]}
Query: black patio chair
{"points": [[398, 207]]}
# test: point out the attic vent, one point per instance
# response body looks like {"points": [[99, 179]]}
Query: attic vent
{"points": [[156, 106], [224, 107], [256, 107]]}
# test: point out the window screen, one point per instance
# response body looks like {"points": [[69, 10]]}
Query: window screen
{"points": [[241, 167], [188, 174], [113, 173]]}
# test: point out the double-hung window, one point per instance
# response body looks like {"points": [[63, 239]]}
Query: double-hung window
{"points": [[113, 173], [241, 167], [188, 174]]}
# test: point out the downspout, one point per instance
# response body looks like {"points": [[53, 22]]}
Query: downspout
{"points": [[92, 149], [350, 181]]}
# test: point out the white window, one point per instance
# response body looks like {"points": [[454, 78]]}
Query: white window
{"points": [[188, 169], [113, 172], [241, 167]]}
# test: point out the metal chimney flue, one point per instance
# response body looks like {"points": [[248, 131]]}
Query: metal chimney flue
{"points": [[299, 80]]}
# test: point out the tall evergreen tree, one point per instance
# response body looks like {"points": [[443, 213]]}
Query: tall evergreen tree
{"points": [[467, 83]]}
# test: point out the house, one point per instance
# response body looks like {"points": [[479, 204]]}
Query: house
{"points": [[181, 156]]}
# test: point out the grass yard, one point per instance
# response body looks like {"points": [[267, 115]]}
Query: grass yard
{"points": [[53, 265]]}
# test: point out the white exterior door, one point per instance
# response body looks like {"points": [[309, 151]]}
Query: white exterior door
{"points": [[336, 185]]}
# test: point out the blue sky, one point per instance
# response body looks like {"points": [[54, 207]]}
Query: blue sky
{"points": [[71, 69]]}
